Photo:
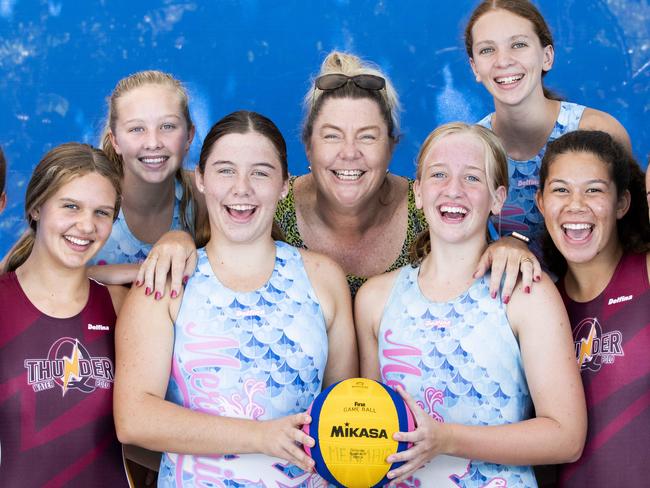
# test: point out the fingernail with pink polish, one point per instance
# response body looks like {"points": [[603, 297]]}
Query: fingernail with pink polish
{"points": [[506, 299], [527, 289], [147, 291], [185, 279], [493, 294], [158, 295], [173, 294], [138, 283]]}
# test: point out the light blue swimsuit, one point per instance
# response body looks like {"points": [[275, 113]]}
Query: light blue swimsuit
{"points": [[520, 213], [256, 355], [461, 362], [122, 247]]}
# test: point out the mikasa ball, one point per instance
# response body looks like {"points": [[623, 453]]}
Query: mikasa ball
{"points": [[353, 422]]}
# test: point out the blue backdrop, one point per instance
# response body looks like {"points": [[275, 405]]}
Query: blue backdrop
{"points": [[59, 60]]}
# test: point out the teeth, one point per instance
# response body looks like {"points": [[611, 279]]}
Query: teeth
{"points": [[153, 160], [77, 241], [348, 174], [241, 207], [509, 79], [448, 209], [576, 226]]}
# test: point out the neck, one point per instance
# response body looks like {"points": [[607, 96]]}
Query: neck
{"points": [[585, 281], [352, 221], [51, 286], [145, 198], [525, 128], [448, 269], [241, 266]]}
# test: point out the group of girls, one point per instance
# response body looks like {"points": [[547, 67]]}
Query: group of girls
{"points": [[216, 365]]}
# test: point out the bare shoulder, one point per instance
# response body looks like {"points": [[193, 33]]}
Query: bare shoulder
{"points": [[373, 295], [543, 301], [593, 119], [326, 276], [118, 295], [321, 266]]}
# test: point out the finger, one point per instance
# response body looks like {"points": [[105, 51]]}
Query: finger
{"points": [[149, 266], [416, 410], [190, 266], [403, 472], [483, 264], [177, 273], [139, 279], [297, 456], [537, 269], [303, 438], [163, 264], [526, 269], [498, 267], [512, 273]]}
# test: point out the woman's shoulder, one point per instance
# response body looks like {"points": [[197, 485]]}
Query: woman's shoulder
{"points": [[593, 119], [285, 216]]}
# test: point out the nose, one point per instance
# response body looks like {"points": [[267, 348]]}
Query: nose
{"points": [[349, 150], [86, 222], [152, 140], [454, 187], [503, 58], [242, 185], [576, 203]]}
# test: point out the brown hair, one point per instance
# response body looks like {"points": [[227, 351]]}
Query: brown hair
{"points": [[521, 8], [57, 168], [351, 65], [244, 122], [137, 80], [633, 229], [496, 170]]}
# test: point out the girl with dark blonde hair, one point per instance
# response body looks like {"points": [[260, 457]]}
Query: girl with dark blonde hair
{"points": [[56, 330], [470, 368]]}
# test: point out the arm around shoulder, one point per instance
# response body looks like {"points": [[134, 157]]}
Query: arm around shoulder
{"points": [[593, 119]]}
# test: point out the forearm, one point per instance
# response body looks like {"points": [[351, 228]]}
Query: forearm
{"points": [[157, 424], [114, 274], [536, 441]]}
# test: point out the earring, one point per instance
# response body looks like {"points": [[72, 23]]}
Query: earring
{"points": [[309, 168]]}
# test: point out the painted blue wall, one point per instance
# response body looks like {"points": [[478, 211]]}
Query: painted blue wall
{"points": [[59, 60]]}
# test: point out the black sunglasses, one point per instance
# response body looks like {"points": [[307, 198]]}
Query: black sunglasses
{"points": [[337, 80]]}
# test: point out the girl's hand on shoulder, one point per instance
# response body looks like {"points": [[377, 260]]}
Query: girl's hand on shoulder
{"points": [[427, 441], [284, 438], [174, 254], [512, 257]]}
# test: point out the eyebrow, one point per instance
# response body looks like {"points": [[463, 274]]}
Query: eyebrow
{"points": [[360, 129], [511, 38], [588, 182], [72, 200], [444, 165], [167, 116], [264, 164]]}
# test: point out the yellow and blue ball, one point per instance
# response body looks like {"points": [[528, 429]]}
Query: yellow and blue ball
{"points": [[353, 422]]}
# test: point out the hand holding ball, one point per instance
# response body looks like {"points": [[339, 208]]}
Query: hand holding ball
{"points": [[353, 422]]}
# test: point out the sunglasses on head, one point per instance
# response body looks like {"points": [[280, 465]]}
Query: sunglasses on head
{"points": [[337, 80]]}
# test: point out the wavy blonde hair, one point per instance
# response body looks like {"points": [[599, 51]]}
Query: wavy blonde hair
{"points": [[495, 162], [137, 80], [348, 64]]}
